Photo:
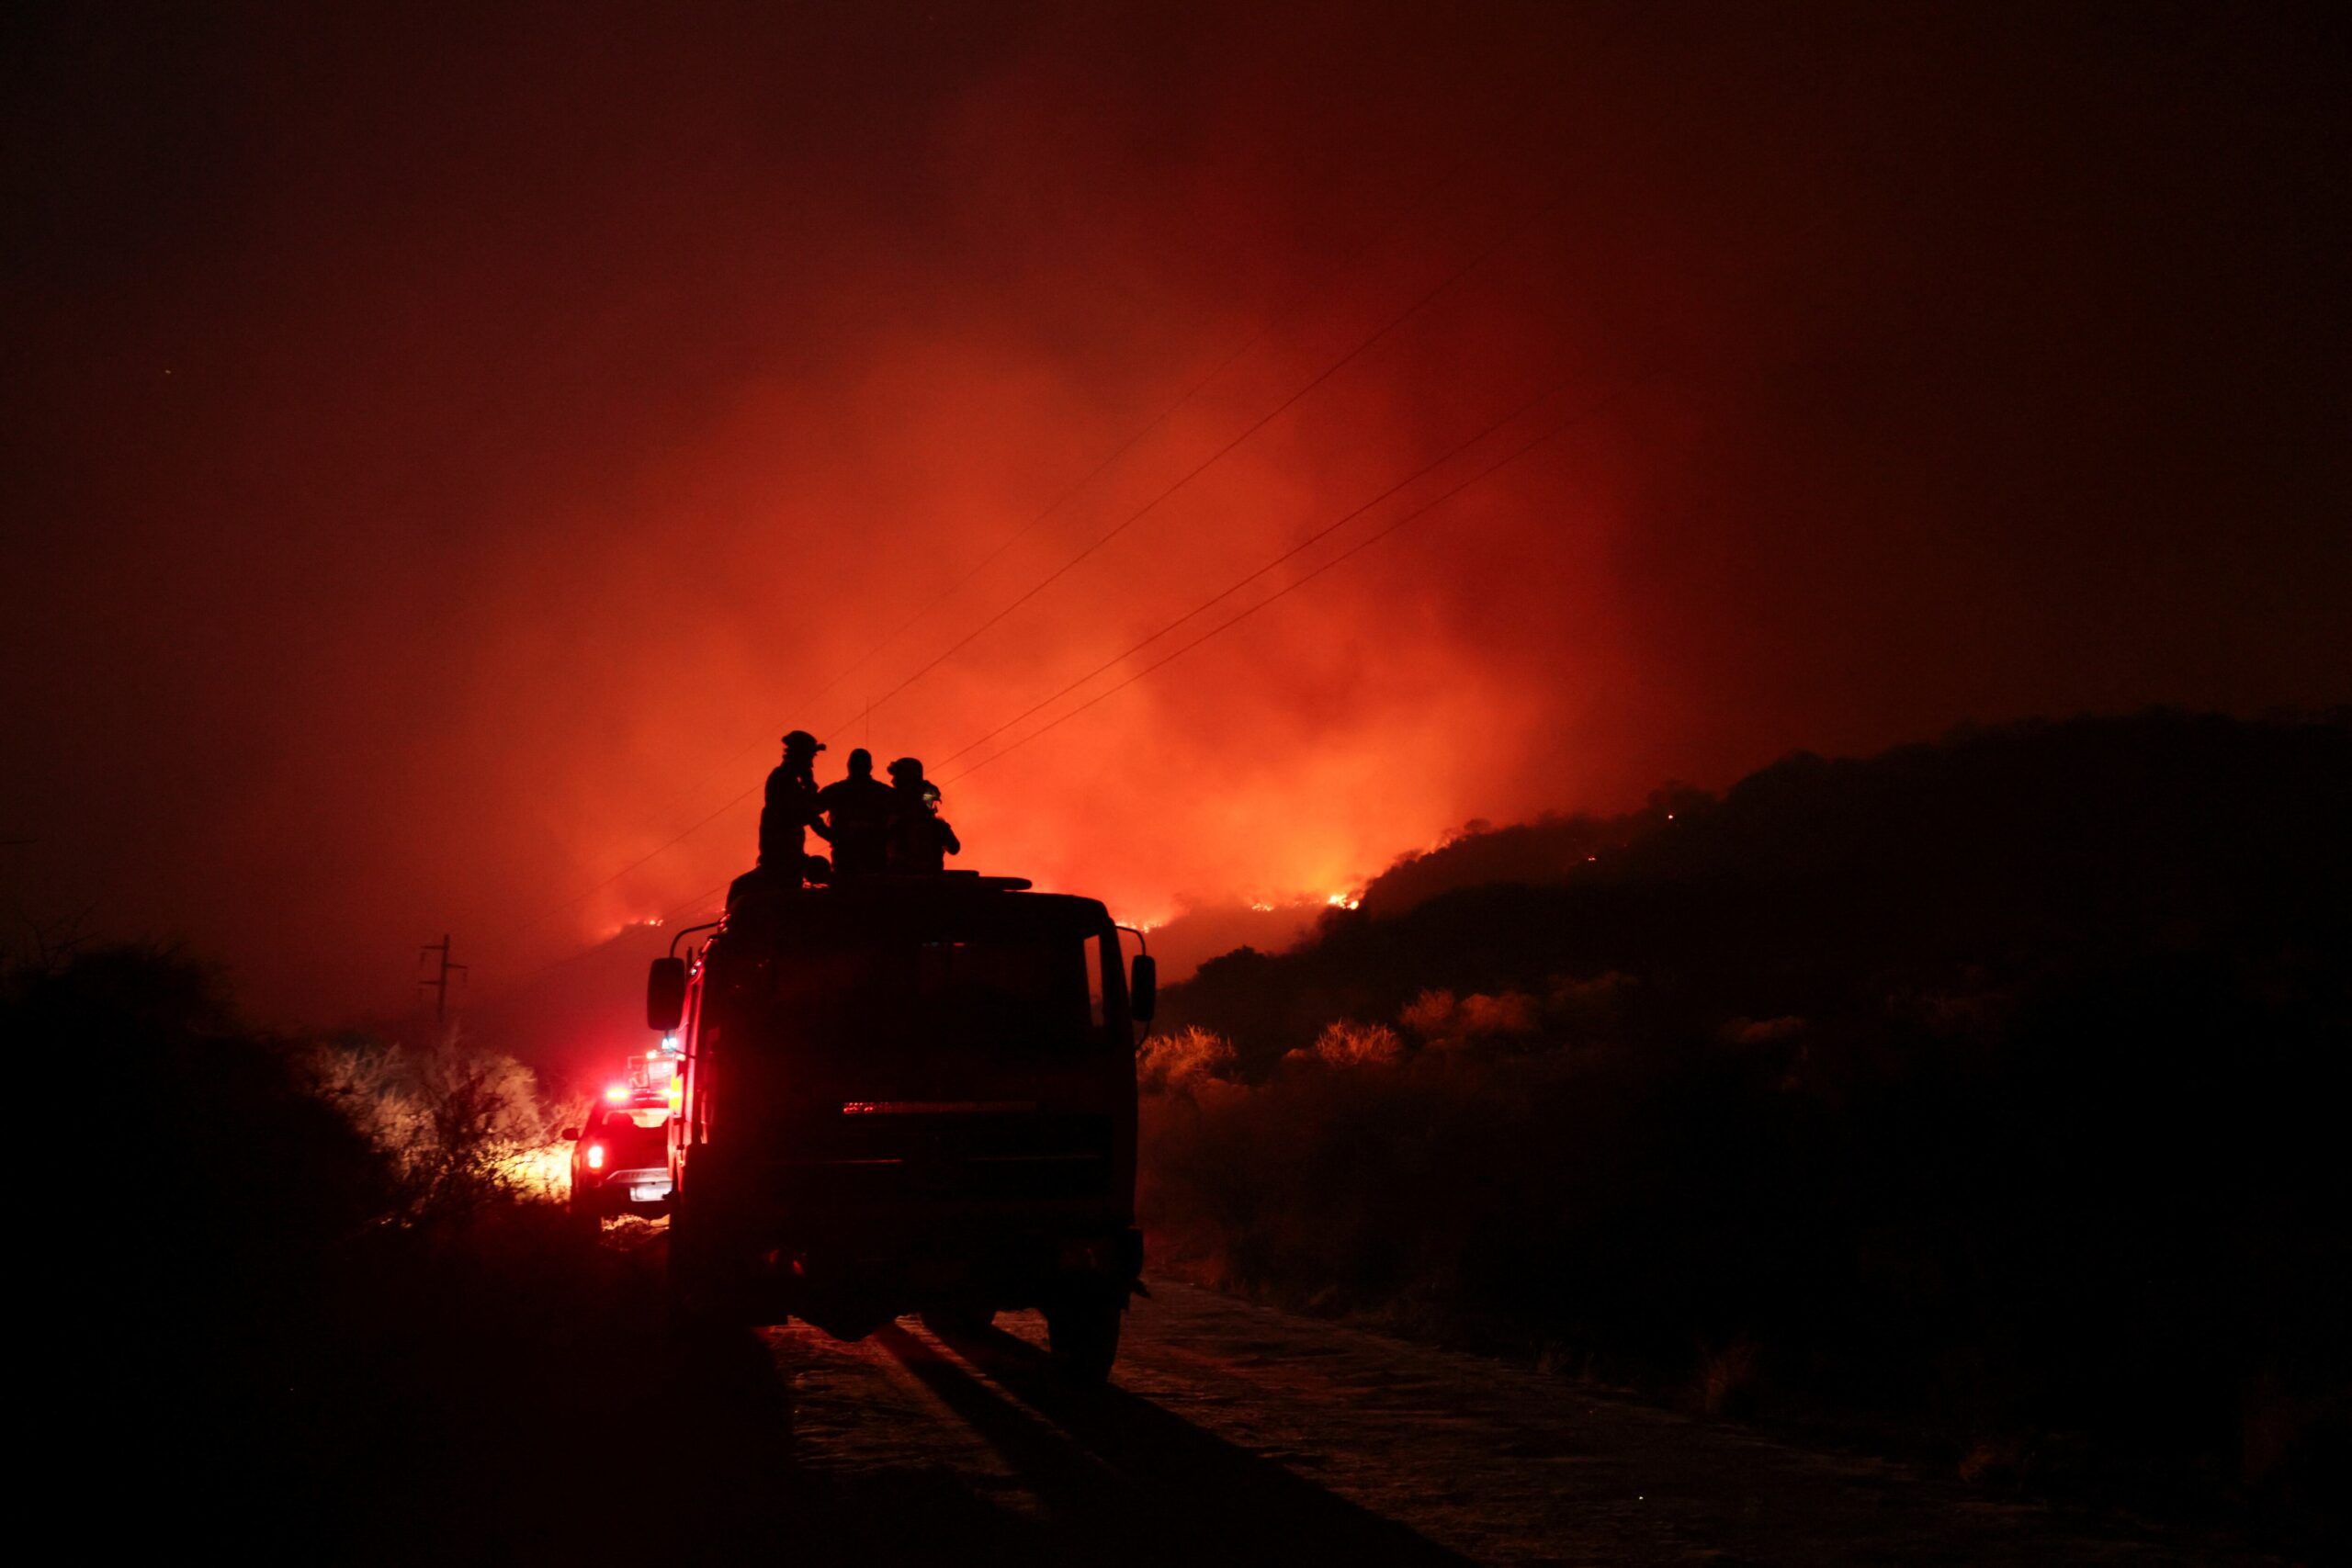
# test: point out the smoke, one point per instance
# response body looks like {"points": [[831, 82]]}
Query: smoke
{"points": [[449, 459]]}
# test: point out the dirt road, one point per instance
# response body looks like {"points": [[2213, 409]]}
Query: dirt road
{"points": [[1234, 1434]]}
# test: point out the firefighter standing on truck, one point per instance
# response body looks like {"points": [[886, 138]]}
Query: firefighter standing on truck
{"points": [[921, 839], [857, 810], [791, 807]]}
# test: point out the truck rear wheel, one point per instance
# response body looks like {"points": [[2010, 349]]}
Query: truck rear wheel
{"points": [[1082, 1334]]}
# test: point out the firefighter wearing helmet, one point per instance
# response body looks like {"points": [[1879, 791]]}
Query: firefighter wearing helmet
{"points": [[791, 807], [921, 839]]}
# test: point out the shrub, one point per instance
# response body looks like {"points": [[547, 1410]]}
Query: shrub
{"points": [[311, 1272], [464, 1126], [1346, 1044], [1446, 1023], [1180, 1062]]}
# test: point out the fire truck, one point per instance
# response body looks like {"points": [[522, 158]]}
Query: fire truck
{"points": [[906, 1093]]}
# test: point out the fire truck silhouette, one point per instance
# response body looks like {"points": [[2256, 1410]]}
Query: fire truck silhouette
{"points": [[906, 1093]]}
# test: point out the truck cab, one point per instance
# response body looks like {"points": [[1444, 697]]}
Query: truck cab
{"points": [[907, 1094]]}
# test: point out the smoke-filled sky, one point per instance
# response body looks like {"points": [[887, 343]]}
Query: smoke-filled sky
{"points": [[443, 455]]}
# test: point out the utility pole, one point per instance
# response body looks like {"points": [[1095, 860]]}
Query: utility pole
{"points": [[439, 984]]}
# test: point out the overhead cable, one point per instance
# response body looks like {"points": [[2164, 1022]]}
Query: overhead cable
{"points": [[1306, 544], [1352, 551], [1279, 315], [1357, 352]]}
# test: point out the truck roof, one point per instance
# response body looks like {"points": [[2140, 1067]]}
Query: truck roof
{"points": [[909, 903]]}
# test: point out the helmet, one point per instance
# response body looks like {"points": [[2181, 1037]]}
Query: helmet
{"points": [[802, 740]]}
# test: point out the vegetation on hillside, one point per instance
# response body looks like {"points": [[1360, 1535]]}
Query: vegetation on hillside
{"points": [[1987, 1090], [328, 1310]]}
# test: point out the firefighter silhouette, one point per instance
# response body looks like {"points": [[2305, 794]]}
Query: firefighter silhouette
{"points": [[858, 812], [920, 838], [791, 807]]}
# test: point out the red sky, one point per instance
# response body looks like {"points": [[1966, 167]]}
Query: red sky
{"points": [[442, 458]]}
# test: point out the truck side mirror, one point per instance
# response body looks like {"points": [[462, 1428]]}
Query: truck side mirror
{"points": [[665, 994], [570, 1134], [1143, 990]]}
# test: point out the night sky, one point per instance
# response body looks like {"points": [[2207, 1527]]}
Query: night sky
{"points": [[443, 456]]}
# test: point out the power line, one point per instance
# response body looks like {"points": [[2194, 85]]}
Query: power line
{"points": [[1155, 637], [1448, 282], [1275, 319], [1306, 544], [1353, 550], [699, 900], [1289, 402], [986, 561], [661, 848], [1022, 532], [1282, 310]]}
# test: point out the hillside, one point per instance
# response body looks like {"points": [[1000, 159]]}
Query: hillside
{"points": [[1986, 1092], [1816, 888]]}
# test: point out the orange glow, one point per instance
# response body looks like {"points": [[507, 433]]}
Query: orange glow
{"points": [[616, 1093], [911, 528]]}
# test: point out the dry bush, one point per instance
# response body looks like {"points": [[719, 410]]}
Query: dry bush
{"points": [[463, 1125], [1446, 1023], [1508, 1013], [1431, 1014], [1346, 1044], [1182, 1062], [1186, 1087]]}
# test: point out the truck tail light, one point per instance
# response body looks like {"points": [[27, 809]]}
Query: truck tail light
{"points": [[595, 1157]]}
